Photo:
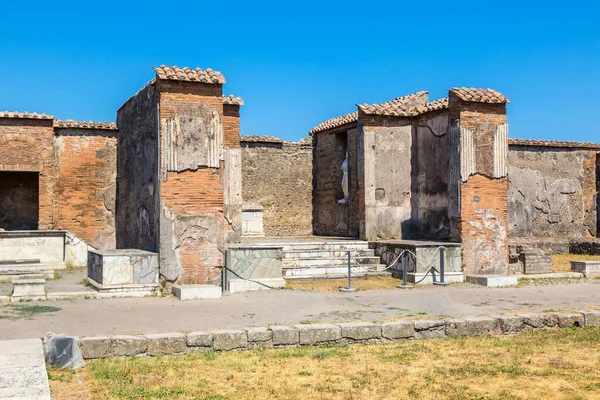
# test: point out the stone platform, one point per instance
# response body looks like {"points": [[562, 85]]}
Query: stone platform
{"points": [[123, 270], [590, 269]]}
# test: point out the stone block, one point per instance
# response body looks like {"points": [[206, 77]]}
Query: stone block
{"points": [[30, 289], [590, 269], [319, 333], [127, 346], [360, 330], [592, 318], [478, 326], [166, 343], [95, 347], [259, 337], [242, 285], [197, 292], [532, 321], [569, 320], [285, 336], [199, 339], [430, 329], [511, 324], [229, 340], [398, 330], [493, 280]]}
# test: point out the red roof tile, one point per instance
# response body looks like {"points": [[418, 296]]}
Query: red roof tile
{"points": [[71, 124], [405, 106], [24, 115], [335, 122], [479, 95], [189, 75], [233, 101], [552, 143]]}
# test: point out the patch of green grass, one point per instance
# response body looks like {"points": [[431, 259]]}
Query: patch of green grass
{"points": [[483, 304], [27, 311], [85, 282], [305, 373], [307, 322], [57, 276]]}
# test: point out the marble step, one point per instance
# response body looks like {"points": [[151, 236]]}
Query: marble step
{"points": [[312, 254], [350, 245], [331, 272], [13, 271], [317, 262]]}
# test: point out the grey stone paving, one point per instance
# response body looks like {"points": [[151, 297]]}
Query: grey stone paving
{"points": [[129, 316], [23, 370]]}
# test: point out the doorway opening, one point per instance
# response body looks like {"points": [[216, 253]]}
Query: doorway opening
{"points": [[19, 200]]}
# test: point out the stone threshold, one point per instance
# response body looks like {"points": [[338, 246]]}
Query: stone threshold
{"points": [[279, 336]]}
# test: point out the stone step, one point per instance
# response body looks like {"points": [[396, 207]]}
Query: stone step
{"points": [[350, 245], [316, 262], [14, 271], [322, 253], [330, 271]]}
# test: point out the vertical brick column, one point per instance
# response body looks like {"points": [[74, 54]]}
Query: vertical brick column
{"points": [[479, 117]]}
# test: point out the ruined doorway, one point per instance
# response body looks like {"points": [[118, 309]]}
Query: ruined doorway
{"points": [[19, 200]]}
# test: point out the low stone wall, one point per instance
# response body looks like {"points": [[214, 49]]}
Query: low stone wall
{"points": [[277, 336], [585, 246]]}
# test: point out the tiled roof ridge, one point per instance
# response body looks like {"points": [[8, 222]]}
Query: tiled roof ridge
{"points": [[233, 100], [72, 124], [552, 143], [335, 122], [403, 106], [188, 74], [24, 115], [260, 139], [479, 95]]}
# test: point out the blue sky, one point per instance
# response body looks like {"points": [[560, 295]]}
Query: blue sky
{"points": [[299, 63]]}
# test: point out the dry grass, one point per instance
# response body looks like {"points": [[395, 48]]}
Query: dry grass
{"points": [[557, 364], [562, 262], [334, 285]]}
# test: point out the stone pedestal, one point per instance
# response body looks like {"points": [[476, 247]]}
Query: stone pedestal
{"points": [[590, 269], [28, 289], [197, 292], [124, 270], [252, 221]]}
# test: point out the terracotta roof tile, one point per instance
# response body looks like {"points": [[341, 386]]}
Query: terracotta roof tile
{"points": [[85, 125], [189, 75], [405, 106], [552, 143], [335, 122], [233, 101], [439, 104], [479, 95], [260, 139], [24, 115]]}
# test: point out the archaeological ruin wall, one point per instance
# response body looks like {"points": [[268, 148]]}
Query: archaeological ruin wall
{"points": [[277, 175]]}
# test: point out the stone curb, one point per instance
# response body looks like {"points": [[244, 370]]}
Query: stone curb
{"points": [[277, 336]]}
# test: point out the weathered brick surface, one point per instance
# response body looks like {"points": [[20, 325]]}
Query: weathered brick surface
{"points": [[278, 176], [87, 184], [231, 126]]}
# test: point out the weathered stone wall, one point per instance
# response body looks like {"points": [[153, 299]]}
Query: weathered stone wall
{"points": [[28, 145], [87, 184], [137, 200], [278, 176], [552, 192], [193, 228], [386, 191], [430, 176]]}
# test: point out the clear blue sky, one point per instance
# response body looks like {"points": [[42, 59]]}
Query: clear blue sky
{"points": [[299, 63]]}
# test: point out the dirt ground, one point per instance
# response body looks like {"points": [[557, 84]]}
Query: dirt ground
{"points": [[553, 364]]}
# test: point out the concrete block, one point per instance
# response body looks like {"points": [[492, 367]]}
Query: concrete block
{"points": [[398, 330], [166, 343], [493, 280], [127, 346], [360, 330], [592, 318], [199, 339], [569, 320], [319, 333], [430, 329], [241, 285], [511, 324], [30, 289], [285, 335], [95, 347], [590, 269], [229, 340], [195, 292], [473, 326]]}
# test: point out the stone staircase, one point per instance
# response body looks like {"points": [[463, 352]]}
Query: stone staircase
{"points": [[28, 269], [329, 259]]}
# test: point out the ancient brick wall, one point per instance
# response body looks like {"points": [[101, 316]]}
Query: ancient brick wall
{"points": [[28, 145], [278, 176], [137, 200], [87, 184], [231, 126], [552, 192], [192, 226]]}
